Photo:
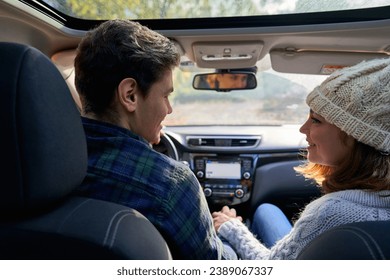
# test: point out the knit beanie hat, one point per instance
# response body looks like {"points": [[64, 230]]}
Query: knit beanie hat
{"points": [[357, 100]]}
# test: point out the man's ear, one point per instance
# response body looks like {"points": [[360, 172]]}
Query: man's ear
{"points": [[127, 94]]}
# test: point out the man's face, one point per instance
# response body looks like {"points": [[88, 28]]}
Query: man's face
{"points": [[229, 80], [152, 110]]}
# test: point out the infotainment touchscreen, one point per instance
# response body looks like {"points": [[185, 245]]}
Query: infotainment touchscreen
{"points": [[223, 170]]}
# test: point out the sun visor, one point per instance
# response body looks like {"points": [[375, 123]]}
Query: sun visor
{"points": [[317, 62], [226, 55]]}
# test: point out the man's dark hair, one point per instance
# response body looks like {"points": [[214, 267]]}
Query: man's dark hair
{"points": [[116, 50]]}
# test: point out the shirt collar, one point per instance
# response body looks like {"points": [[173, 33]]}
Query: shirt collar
{"points": [[108, 129]]}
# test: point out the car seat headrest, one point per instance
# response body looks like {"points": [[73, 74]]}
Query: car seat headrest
{"points": [[44, 148]]}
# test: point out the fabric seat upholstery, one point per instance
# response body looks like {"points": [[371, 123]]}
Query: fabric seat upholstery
{"points": [[44, 160]]}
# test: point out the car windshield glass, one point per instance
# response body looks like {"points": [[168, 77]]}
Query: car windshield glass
{"points": [[279, 98], [160, 9]]}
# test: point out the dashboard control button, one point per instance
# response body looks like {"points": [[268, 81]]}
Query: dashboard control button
{"points": [[207, 192], [246, 175], [239, 193], [199, 174]]}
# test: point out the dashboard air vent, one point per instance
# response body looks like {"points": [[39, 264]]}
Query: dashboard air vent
{"points": [[243, 142], [223, 142]]}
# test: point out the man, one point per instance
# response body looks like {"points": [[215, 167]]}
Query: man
{"points": [[124, 78], [230, 80], [226, 80]]}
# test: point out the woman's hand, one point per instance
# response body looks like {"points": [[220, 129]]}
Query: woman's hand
{"points": [[226, 214]]}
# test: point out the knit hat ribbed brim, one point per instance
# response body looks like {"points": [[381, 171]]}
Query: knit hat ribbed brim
{"points": [[357, 100]]}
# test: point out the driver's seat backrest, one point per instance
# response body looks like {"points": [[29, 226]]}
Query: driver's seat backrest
{"points": [[44, 160]]}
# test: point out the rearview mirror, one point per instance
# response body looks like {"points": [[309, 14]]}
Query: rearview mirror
{"points": [[225, 81]]}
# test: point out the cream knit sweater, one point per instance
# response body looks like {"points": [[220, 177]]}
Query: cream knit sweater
{"points": [[320, 215]]}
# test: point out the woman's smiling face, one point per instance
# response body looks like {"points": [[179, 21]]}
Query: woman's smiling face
{"points": [[328, 145]]}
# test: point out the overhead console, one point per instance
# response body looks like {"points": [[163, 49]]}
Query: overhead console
{"points": [[225, 180]]}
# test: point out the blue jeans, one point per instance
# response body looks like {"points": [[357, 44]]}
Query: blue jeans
{"points": [[270, 224]]}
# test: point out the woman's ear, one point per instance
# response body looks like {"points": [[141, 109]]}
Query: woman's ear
{"points": [[127, 94]]}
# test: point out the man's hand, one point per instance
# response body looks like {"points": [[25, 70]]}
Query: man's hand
{"points": [[226, 214]]}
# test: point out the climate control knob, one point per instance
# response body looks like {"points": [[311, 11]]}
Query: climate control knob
{"points": [[239, 193], [207, 192]]}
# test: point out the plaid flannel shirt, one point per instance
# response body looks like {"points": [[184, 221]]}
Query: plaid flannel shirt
{"points": [[123, 168]]}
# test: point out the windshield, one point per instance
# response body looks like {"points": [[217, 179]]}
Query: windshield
{"points": [[278, 99], [160, 9]]}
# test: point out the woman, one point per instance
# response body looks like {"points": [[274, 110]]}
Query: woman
{"points": [[348, 135]]}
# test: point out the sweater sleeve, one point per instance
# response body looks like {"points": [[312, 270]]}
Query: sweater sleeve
{"points": [[245, 243], [320, 215], [309, 225]]}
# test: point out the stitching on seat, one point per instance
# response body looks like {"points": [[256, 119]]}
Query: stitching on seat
{"points": [[112, 229], [363, 235], [71, 213]]}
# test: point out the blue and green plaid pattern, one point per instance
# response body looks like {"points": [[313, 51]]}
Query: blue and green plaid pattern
{"points": [[123, 168]]}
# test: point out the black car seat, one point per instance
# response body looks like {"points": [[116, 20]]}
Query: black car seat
{"points": [[291, 192], [44, 159], [355, 241]]}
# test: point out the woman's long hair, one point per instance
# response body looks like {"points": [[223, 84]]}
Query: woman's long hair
{"points": [[364, 168]]}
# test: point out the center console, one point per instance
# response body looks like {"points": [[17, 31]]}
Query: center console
{"points": [[225, 180]]}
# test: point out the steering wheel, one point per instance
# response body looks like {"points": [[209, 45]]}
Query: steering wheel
{"points": [[166, 147]]}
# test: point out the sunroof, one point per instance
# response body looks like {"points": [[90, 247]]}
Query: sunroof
{"points": [[179, 9]]}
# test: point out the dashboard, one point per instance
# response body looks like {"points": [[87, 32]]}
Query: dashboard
{"points": [[243, 166], [225, 179]]}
